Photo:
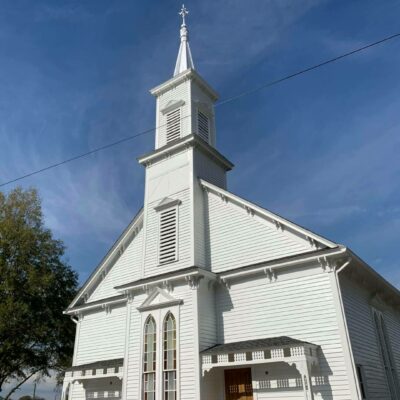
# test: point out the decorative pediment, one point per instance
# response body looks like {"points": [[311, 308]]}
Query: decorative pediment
{"points": [[167, 202], [159, 298], [171, 105]]}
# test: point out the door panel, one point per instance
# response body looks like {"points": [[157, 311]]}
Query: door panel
{"points": [[238, 384]]}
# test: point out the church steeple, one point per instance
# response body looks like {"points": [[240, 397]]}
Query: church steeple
{"points": [[184, 60]]}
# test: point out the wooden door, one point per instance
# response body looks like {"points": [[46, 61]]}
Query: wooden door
{"points": [[238, 384]]}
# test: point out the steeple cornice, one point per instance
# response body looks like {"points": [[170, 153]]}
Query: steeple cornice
{"points": [[184, 143], [189, 74]]}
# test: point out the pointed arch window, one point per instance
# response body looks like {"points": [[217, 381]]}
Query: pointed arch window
{"points": [[149, 359], [169, 357]]}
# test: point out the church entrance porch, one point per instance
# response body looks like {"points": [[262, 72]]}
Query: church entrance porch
{"points": [[238, 384], [259, 369]]}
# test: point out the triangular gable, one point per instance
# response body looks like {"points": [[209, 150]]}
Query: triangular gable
{"points": [[99, 275], [242, 233], [158, 298]]}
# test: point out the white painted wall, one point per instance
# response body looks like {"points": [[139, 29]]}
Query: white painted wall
{"points": [[302, 308], [237, 238], [101, 335], [364, 339], [126, 269]]}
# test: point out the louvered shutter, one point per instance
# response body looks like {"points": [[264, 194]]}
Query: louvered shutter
{"points": [[168, 236], [173, 125], [202, 126]]}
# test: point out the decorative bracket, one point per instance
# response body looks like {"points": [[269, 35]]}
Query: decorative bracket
{"points": [[249, 210], [278, 225], [225, 282], [271, 274], [168, 286], [193, 281], [326, 264]]}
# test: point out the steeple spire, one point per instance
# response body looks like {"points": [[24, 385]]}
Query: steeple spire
{"points": [[184, 60]]}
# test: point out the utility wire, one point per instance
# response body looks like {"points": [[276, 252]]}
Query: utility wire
{"points": [[228, 100]]}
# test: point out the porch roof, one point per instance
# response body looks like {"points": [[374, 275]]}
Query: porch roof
{"points": [[116, 362], [246, 345], [95, 370]]}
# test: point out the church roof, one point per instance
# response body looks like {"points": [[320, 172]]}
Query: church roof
{"points": [[254, 344]]}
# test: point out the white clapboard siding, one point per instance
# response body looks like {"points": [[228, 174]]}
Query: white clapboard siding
{"points": [[364, 339], [101, 335], [302, 308], [207, 316], [151, 264], [238, 238], [207, 169], [179, 93], [126, 269]]}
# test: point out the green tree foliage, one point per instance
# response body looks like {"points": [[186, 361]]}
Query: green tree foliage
{"points": [[36, 285]]}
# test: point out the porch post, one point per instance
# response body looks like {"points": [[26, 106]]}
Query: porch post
{"points": [[304, 369]]}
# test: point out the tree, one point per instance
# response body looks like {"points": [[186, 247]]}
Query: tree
{"points": [[36, 285]]}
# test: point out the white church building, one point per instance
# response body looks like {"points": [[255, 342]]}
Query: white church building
{"points": [[209, 296]]}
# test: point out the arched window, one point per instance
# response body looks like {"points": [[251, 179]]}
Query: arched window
{"points": [[169, 364], [149, 359]]}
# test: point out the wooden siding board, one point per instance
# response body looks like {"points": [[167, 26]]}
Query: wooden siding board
{"points": [[253, 309], [363, 338], [102, 336], [237, 238], [124, 270]]}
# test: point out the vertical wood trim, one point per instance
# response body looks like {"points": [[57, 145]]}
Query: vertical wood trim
{"points": [[196, 345], [126, 352], [345, 337], [76, 345], [191, 208]]}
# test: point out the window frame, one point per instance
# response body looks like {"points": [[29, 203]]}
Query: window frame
{"points": [[165, 350], [159, 316], [144, 371]]}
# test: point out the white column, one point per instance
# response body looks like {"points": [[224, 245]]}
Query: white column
{"points": [[304, 369]]}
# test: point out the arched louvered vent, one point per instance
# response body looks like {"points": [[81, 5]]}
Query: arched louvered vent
{"points": [[168, 236], [203, 126], [173, 125]]}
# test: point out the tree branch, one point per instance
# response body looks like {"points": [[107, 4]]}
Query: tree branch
{"points": [[19, 385]]}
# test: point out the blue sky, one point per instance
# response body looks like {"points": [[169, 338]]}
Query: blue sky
{"points": [[321, 149]]}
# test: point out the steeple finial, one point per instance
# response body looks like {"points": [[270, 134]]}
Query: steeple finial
{"points": [[184, 11], [184, 60]]}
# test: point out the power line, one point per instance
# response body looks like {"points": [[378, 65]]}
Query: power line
{"points": [[228, 100]]}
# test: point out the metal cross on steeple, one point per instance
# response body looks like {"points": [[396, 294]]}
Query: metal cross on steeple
{"points": [[184, 11]]}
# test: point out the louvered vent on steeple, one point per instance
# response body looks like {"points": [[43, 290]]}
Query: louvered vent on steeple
{"points": [[173, 125], [168, 236], [203, 125]]}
